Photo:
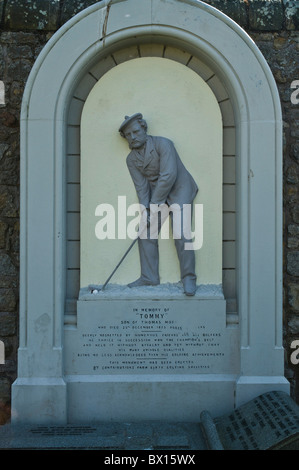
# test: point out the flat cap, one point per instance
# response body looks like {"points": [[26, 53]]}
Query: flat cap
{"points": [[129, 119]]}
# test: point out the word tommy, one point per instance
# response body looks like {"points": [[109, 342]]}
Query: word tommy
{"points": [[151, 315], [159, 222]]}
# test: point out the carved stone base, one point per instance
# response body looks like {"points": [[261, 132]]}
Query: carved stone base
{"points": [[145, 359]]}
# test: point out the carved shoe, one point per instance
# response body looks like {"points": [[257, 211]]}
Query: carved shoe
{"points": [[142, 282], [189, 286]]}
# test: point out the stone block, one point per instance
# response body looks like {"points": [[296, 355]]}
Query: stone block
{"points": [[293, 325], [31, 15], [9, 201], [18, 51], [4, 389], [3, 234], [295, 214], [291, 14], [265, 15], [235, 9], [7, 300], [19, 69], [137, 350], [71, 7], [295, 150], [293, 230], [293, 296], [293, 263], [293, 243], [8, 324], [3, 148], [293, 174], [10, 167], [6, 266], [39, 400], [2, 4]]}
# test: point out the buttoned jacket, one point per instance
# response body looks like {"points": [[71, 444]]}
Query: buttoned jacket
{"points": [[160, 176]]}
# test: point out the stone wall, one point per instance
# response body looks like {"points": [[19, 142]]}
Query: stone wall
{"points": [[26, 26]]}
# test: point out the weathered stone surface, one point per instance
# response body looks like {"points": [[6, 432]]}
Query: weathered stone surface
{"points": [[293, 324], [293, 243], [71, 7], [19, 51], [19, 69], [293, 174], [3, 232], [8, 324], [292, 193], [293, 263], [293, 296], [5, 393], [9, 201], [235, 9], [8, 300], [293, 229], [31, 14], [4, 389], [295, 214], [16, 91], [2, 3], [6, 266], [14, 241], [10, 166], [3, 148], [265, 15], [291, 14], [295, 151], [49, 15]]}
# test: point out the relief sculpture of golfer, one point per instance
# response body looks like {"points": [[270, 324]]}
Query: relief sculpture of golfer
{"points": [[160, 178]]}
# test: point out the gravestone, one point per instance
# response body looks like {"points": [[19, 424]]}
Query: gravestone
{"points": [[269, 422], [150, 352]]}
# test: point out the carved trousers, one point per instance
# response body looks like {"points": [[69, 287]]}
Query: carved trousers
{"points": [[149, 257]]}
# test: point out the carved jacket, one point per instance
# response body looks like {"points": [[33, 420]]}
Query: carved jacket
{"points": [[160, 176]]}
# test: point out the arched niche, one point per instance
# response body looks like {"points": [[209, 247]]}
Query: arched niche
{"points": [[69, 66], [177, 104]]}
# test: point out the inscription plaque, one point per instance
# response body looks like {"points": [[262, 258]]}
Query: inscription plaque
{"points": [[270, 421], [150, 337]]}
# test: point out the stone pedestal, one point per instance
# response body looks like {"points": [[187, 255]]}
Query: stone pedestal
{"points": [[134, 357], [39, 399]]}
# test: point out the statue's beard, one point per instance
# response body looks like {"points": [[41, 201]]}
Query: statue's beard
{"points": [[137, 144]]}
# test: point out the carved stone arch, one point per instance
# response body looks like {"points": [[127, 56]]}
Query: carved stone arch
{"points": [[40, 392]]}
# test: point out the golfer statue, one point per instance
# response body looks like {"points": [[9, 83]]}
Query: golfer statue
{"points": [[160, 178]]}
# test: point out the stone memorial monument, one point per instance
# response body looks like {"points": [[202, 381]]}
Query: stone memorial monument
{"points": [[192, 320]]}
